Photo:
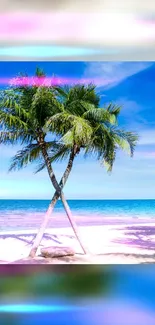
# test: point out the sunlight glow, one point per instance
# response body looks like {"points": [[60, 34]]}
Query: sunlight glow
{"points": [[121, 28]]}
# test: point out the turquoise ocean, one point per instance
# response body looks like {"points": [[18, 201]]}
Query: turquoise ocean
{"points": [[27, 214]]}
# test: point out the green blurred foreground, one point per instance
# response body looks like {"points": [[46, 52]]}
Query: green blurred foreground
{"points": [[34, 281]]}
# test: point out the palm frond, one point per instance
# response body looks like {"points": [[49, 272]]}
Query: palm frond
{"points": [[125, 140], [40, 72], [10, 120], [61, 154], [80, 132], [70, 126], [114, 111], [77, 98], [84, 93], [97, 115], [62, 92], [58, 153], [7, 137], [25, 156]]}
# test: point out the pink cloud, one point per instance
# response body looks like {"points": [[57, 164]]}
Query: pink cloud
{"points": [[16, 24], [75, 27], [43, 26]]}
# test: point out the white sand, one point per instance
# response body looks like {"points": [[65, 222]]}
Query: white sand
{"points": [[107, 244]]}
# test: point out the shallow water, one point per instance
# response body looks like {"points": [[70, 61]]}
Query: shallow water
{"points": [[27, 214]]}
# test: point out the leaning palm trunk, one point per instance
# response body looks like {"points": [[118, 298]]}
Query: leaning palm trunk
{"points": [[55, 198]]}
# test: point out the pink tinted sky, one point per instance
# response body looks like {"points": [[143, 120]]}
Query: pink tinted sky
{"points": [[54, 81], [65, 26]]}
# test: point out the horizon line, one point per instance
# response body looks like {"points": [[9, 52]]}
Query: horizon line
{"points": [[78, 199]]}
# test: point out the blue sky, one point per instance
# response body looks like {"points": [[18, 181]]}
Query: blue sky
{"points": [[130, 84]]}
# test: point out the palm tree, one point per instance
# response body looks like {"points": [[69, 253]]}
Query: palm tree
{"points": [[24, 111], [83, 126], [73, 115]]}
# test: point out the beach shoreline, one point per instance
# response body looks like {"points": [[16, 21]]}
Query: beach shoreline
{"points": [[130, 243]]}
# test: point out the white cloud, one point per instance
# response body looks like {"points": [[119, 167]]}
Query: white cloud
{"points": [[129, 105], [108, 74]]}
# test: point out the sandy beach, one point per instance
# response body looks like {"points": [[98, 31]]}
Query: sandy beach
{"points": [[114, 243]]}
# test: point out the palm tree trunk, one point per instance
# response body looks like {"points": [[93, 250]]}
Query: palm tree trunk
{"points": [[44, 224], [51, 207], [72, 222]]}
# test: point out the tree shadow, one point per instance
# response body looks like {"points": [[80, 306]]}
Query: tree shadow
{"points": [[140, 237], [28, 241]]}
